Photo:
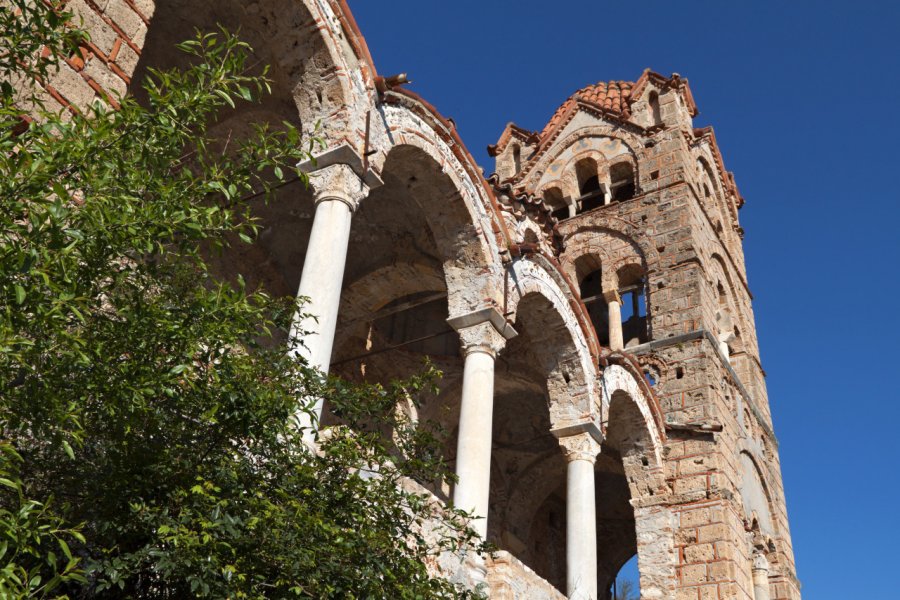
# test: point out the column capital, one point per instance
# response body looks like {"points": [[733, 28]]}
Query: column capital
{"points": [[760, 562], [338, 182], [340, 174], [580, 446], [484, 330], [612, 296]]}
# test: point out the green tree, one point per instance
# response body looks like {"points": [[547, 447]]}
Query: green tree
{"points": [[145, 401]]}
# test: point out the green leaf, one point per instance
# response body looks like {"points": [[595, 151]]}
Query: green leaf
{"points": [[20, 294]]}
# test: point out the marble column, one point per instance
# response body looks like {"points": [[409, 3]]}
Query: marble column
{"points": [[338, 191], [614, 305], [760, 576], [483, 335], [581, 452]]}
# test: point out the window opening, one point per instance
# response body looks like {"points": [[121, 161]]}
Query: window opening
{"points": [[592, 296], [634, 314], [517, 158], [591, 193], [622, 182], [554, 200]]}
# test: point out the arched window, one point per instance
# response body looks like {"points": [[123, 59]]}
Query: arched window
{"points": [[632, 290], [591, 289], [553, 198], [653, 104], [588, 185], [586, 172], [621, 177], [708, 179], [517, 157]]}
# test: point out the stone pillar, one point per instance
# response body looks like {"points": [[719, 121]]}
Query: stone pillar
{"points": [[614, 304], [581, 452], [760, 576], [483, 334], [338, 190]]}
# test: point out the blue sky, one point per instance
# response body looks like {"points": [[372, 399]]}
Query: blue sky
{"points": [[805, 100]]}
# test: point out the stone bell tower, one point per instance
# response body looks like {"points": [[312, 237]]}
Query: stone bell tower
{"points": [[647, 216]]}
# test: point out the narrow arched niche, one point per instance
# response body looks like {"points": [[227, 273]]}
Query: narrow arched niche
{"points": [[653, 106]]}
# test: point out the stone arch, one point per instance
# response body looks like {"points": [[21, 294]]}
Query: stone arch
{"points": [[633, 429], [585, 163], [644, 419], [469, 260], [560, 195], [539, 303], [566, 185], [589, 240], [641, 239], [548, 163], [458, 211], [756, 495], [316, 68]]}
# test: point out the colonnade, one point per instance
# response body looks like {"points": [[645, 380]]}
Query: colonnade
{"points": [[339, 188]]}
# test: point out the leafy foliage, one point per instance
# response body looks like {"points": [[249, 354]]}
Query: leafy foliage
{"points": [[145, 400]]}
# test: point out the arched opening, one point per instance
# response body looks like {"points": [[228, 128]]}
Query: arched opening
{"points": [[528, 494], [554, 200], [591, 291], [619, 475], [517, 157], [632, 290], [589, 188], [626, 585], [417, 323], [588, 179], [413, 245], [622, 186], [653, 104]]}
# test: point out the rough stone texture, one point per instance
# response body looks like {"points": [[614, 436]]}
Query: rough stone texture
{"points": [[509, 579], [688, 476]]}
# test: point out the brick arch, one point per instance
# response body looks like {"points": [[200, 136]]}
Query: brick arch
{"points": [[641, 238], [565, 185], [539, 169], [320, 74], [750, 494], [537, 300], [718, 266], [459, 212], [634, 427], [367, 295], [618, 384], [569, 170], [588, 239]]}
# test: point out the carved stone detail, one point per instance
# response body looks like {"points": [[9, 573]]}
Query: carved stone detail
{"points": [[338, 182], [581, 446], [612, 296], [482, 337]]}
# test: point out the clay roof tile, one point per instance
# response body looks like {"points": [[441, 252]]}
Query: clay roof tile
{"points": [[613, 96]]}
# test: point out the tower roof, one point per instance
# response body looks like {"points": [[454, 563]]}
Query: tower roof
{"points": [[613, 96]]}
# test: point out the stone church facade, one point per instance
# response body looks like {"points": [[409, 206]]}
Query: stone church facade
{"points": [[588, 303]]}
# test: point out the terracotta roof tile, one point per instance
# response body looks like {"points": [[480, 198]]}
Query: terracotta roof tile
{"points": [[614, 96]]}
